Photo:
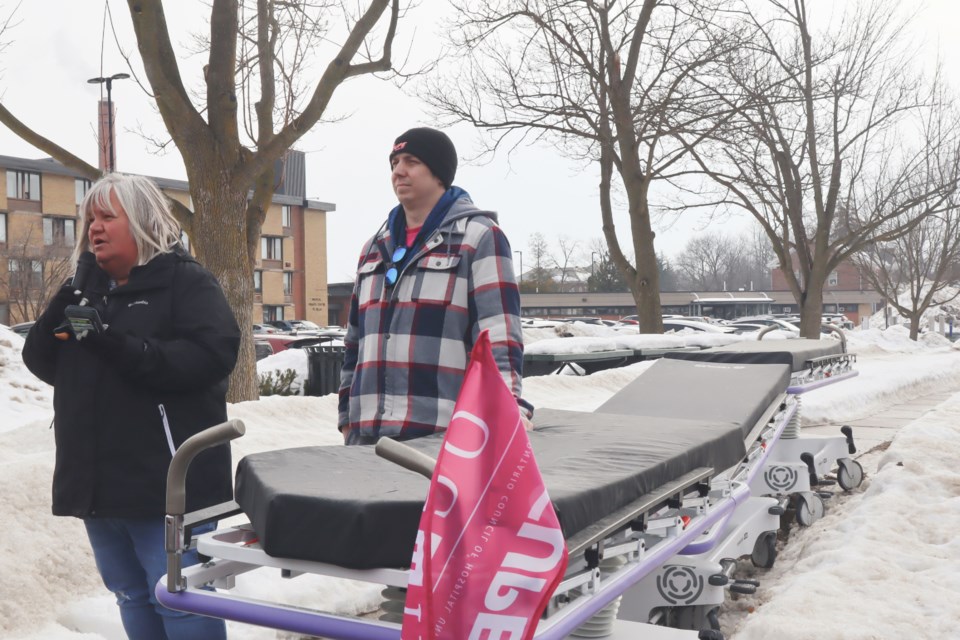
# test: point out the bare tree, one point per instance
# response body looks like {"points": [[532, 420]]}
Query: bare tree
{"points": [[564, 261], [913, 271], [828, 151], [759, 256], [713, 262], [231, 177], [608, 82], [34, 273], [538, 278]]}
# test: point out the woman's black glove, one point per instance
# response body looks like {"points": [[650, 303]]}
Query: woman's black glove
{"points": [[53, 315]]}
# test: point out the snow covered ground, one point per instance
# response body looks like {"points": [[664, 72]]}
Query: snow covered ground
{"points": [[884, 562]]}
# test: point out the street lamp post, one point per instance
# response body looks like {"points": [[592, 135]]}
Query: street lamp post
{"points": [[109, 82], [521, 264]]}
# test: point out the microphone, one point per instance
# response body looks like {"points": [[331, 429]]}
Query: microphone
{"points": [[85, 265]]}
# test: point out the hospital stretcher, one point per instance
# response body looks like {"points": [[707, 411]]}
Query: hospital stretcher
{"points": [[658, 492]]}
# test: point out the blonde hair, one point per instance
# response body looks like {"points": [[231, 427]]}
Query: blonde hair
{"points": [[152, 224]]}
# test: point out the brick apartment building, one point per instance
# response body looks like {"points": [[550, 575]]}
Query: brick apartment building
{"points": [[38, 226]]}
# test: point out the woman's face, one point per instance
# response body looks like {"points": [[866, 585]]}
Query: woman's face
{"points": [[111, 240]]}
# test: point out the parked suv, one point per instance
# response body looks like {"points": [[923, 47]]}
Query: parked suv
{"points": [[295, 327], [841, 321]]}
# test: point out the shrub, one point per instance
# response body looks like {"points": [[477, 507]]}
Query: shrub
{"points": [[279, 383]]}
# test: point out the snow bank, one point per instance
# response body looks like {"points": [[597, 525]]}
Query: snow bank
{"points": [[886, 562], [23, 398]]}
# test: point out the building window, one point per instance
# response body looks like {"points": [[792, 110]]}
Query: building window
{"points": [[258, 281], [25, 274], [285, 215], [287, 283], [80, 188], [3, 227], [59, 232], [23, 185], [271, 248], [833, 279], [272, 312]]}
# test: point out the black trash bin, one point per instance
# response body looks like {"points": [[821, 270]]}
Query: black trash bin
{"points": [[324, 362]]}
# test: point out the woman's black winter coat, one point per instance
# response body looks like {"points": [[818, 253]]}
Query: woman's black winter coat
{"points": [[125, 400]]}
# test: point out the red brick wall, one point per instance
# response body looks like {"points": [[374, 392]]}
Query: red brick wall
{"points": [[848, 279]]}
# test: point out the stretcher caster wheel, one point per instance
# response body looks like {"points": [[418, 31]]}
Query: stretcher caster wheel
{"points": [[809, 508], [849, 474], [765, 550]]}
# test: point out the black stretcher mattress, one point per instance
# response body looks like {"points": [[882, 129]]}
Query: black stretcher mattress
{"points": [[708, 391], [794, 352], [346, 506]]}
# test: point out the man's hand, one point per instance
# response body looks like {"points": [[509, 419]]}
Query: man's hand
{"points": [[346, 433], [527, 424]]}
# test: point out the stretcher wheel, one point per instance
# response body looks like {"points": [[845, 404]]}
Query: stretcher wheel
{"points": [[765, 550], [849, 474], [809, 508]]}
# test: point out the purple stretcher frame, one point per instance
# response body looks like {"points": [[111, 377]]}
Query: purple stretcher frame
{"points": [[298, 620]]}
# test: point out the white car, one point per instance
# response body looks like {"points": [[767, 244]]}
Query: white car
{"points": [[840, 321], [783, 325], [673, 325]]}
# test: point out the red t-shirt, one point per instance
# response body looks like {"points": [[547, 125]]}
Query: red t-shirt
{"points": [[412, 235]]}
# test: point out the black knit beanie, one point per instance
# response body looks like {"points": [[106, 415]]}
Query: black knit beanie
{"points": [[433, 148]]}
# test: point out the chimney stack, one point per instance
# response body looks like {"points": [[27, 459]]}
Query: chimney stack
{"points": [[103, 138]]}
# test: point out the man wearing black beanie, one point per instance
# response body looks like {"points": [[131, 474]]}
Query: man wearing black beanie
{"points": [[437, 272]]}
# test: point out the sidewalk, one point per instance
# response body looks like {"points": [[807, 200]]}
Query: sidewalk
{"points": [[881, 427]]}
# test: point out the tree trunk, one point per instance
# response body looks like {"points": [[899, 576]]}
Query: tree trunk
{"points": [[915, 327], [811, 310], [646, 286], [219, 240]]}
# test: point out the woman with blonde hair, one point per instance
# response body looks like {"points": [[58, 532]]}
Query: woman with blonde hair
{"points": [[151, 372]]}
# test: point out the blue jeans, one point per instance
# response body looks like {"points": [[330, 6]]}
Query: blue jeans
{"points": [[131, 560]]}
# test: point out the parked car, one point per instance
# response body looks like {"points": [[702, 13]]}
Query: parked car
{"points": [[538, 323], [585, 320], [783, 325], [22, 328], [295, 327], [282, 341], [264, 328], [262, 348], [671, 325], [841, 321], [750, 327]]}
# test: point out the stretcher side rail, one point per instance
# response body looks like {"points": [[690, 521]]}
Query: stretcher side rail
{"points": [[826, 364], [177, 525], [636, 511]]}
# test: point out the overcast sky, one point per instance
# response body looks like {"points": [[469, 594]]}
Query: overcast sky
{"points": [[59, 44]]}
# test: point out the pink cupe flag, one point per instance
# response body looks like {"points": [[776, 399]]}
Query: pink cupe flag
{"points": [[489, 551]]}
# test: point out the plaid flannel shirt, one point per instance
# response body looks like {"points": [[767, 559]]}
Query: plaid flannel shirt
{"points": [[407, 345]]}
